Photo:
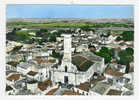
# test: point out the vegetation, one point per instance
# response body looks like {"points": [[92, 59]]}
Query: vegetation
{"points": [[106, 53], [126, 56], [126, 36], [16, 48], [55, 54], [23, 35], [63, 24]]}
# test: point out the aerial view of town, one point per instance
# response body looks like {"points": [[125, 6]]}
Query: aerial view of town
{"points": [[70, 55]]}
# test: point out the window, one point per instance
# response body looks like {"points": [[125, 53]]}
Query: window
{"points": [[66, 68], [78, 91], [65, 79]]}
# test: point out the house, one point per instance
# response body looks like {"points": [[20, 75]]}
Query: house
{"points": [[112, 74], [24, 92], [59, 39], [32, 33], [69, 92], [117, 67], [44, 86], [131, 69], [82, 48], [9, 90], [100, 88], [25, 67], [52, 91], [12, 65], [112, 38], [114, 92], [13, 78], [130, 77], [32, 85], [33, 75], [82, 88]]}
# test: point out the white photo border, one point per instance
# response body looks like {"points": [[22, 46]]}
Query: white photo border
{"points": [[4, 3]]}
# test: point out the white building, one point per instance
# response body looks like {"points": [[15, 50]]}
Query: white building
{"points": [[78, 68]]}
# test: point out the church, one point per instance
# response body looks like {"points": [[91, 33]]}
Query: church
{"points": [[78, 68]]}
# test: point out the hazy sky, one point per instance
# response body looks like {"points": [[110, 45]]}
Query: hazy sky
{"points": [[68, 11]]}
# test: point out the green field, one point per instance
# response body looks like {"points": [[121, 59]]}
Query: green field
{"points": [[65, 25]]}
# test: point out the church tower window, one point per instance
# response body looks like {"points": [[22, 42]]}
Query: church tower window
{"points": [[66, 68]]}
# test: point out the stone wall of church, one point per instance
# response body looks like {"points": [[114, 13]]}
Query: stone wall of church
{"points": [[58, 76], [82, 77], [78, 77]]}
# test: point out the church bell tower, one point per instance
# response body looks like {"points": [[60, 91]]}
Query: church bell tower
{"points": [[67, 50]]}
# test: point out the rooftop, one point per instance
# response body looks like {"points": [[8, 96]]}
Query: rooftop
{"points": [[14, 77], [84, 86], [24, 92], [101, 87], [41, 61], [69, 92], [113, 73], [52, 91], [13, 63], [32, 82], [128, 93], [32, 73], [43, 85], [99, 78], [82, 63], [129, 86], [114, 92]]}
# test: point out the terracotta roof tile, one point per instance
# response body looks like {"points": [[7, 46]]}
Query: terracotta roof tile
{"points": [[14, 77], [113, 73], [84, 86], [43, 85], [99, 78], [114, 92], [51, 92], [32, 73], [68, 92]]}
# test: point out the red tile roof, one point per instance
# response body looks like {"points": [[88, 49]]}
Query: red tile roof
{"points": [[114, 92], [43, 85], [84, 86], [14, 77], [99, 78], [41, 60], [113, 73], [51, 92], [32, 73], [68, 92]]}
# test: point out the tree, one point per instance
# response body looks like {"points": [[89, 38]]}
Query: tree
{"points": [[55, 55], [126, 56], [106, 53], [128, 35], [118, 38], [43, 30], [130, 51], [86, 27], [52, 38]]}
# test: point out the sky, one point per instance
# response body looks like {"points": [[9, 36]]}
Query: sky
{"points": [[69, 11]]}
